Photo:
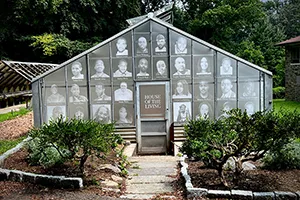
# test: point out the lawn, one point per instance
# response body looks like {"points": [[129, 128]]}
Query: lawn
{"points": [[281, 104], [13, 114], [5, 145]]}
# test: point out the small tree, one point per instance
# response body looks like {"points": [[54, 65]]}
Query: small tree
{"points": [[73, 139], [239, 136]]}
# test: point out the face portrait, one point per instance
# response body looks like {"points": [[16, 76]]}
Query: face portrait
{"points": [[249, 107], [226, 64], [122, 113], [203, 64], [142, 43], [179, 88], [76, 69], [182, 89], [75, 90], [102, 114], [54, 89], [180, 64], [57, 112], [99, 89], [249, 90], [181, 44], [182, 108], [121, 44], [161, 67], [123, 86], [99, 66], [160, 41], [143, 65], [226, 85], [122, 66], [204, 110], [79, 114], [203, 88]]}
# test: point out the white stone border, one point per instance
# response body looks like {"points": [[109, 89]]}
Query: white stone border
{"points": [[231, 194], [46, 180]]}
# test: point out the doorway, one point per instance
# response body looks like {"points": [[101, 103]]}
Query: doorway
{"points": [[153, 117]]}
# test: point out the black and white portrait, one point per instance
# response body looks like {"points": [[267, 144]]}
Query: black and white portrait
{"points": [[180, 68], [249, 89], [249, 108], [227, 89], [55, 112], [121, 45], [123, 93], [75, 96], [181, 45], [162, 70], [142, 46], [102, 113], [204, 90], [79, 113], [182, 90], [224, 108], [122, 70], [55, 97], [204, 66], [123, 117], [181, 111], [143, 68], [160, 44], [76, 69], [99, 70], [204, 111], [226, 67], [100, 93]]}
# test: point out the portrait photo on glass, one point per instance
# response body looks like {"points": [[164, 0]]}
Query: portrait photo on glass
{"points": [[227, 89], [99, 68], [122, 70], [55, 112], [249, 89], [123, 115], [226, 67], [249, 108], [121, 46], [100, 94], [224, 108], [123, 93], [204, 111], [142, 45], [79, 112], [101, 113], [181, 69], [143, 68], [181, 90], [160, 44], [76, 69], [204, 65], [181, 45], [181, 111], [55, 97], [161, 69], [75, 96], [204, 90]]}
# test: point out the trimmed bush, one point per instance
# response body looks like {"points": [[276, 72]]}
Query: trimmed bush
{"points": [[279, 92]]}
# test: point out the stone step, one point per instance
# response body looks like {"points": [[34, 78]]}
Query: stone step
{"points": [[145, 196], [155, 188], [149, 179], [152, 171], [145, 165], [153, 159]]}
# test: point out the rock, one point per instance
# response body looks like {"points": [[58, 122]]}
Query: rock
{"points": [[230, 165], [111, 167], [111, 190], [248, 166], [109, 184], [116, 179]]}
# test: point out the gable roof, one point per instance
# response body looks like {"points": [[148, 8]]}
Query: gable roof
{"points": [[289, 41], [165, 24]]}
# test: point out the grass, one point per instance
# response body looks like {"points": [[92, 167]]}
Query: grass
{"points": [[13, 114], [281, 104], [8, 144]]}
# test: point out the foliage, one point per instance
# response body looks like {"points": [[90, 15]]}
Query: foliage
{"points": [[6, 145], [72, 139], [239, 136], [13, 114], [279, 92], [286, 158]]}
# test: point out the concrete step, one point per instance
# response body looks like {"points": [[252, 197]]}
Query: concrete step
{"points": [[149, 179], [153, 171], [143, 165], [154, 188], [153, 159]]}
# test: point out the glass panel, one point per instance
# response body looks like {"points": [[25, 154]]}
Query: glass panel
{"points": [[77, 71], [142, 44], [123, 92], [223, 107], [248, 89], [158, 28], [55, 95], [143, 68], [181, 67], [250, 106], [122, 68], [203, 109], [101, 113], [57, 77], [77, 94], [268, 92], [161, 67], [204, 90], [145, 27], [121, 47], [78, 110], [201, 49], [102, 51], [180, 45], [245, 70], [181, 90], [182, 112], [203, 65], [100, 69], [152, 126], [160, 43], [123, 114], [101, 93], [54, 112], [226, 89], [226, 66]]}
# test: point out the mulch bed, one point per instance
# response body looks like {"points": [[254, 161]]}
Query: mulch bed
{"points": [[255, 180]]}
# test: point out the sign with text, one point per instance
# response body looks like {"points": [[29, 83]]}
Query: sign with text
{"points": [[152, 99]]}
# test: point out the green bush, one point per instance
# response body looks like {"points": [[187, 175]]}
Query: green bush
{"points": [[62, 140], [279, 92], [286, 158]]}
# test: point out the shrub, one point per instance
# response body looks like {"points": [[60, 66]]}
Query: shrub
{"points": [[279, 92], [286, 158], [62, 140]]}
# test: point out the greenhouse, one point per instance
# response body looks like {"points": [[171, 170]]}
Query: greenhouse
{"points": [[147, 79]]}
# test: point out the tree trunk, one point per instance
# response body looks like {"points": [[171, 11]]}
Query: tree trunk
{"points": [[221, 175], [82, 161]]}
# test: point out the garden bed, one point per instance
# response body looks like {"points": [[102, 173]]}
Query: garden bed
{"points": [[258, 180]]}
